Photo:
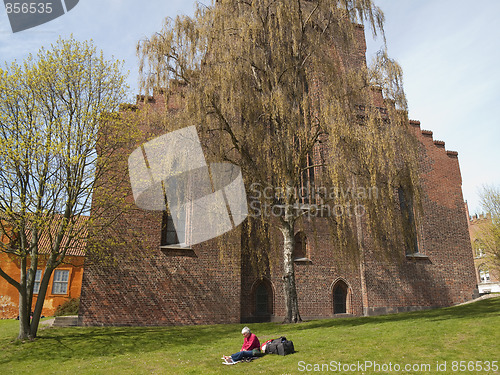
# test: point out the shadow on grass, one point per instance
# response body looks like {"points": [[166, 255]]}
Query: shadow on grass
{"points": [[92, 342], [85, 342], [481, 309]]}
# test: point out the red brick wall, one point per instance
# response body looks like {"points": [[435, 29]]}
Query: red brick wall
{"points": [[134, 282], [167, 288], [147, 286], [314, 278], [443, 278], [446, 276]]}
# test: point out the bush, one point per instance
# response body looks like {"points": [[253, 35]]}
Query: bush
{"points": [[70, 307]]}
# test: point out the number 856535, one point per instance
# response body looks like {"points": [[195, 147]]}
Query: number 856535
{"points": [[26, 8]]}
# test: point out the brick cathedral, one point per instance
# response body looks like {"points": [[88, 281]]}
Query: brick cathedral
{"points": [[209, 283]]}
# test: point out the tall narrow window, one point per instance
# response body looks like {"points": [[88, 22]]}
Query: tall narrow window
{"points": [[478, 250], [300, 246], [408, 221], [168, 233], [38, 278], [60, 283]]}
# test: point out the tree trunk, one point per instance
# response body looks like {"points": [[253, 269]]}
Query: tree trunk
{"points": [[24, 313], [289, 287], [44, 283], [28, 323]]}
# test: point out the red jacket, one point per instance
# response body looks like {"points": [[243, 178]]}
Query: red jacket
{"points": [[250, 342]]}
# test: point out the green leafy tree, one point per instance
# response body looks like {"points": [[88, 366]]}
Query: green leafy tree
{"points": [[488, 238], [53, 154], [269, 84]]}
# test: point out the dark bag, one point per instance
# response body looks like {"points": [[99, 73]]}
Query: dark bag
{"points": [[286, 347], [272, 346], [280, 346]]}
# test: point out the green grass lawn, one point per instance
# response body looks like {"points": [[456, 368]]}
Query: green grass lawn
{"points": [[463, 333]]}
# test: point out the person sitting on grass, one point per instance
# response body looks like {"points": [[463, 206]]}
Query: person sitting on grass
{"points": [[250, 342]]}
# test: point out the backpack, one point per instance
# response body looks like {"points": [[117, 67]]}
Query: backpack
{"points": [[280, 346]]}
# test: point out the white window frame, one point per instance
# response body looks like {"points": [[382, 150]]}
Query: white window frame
{"points": [[38, 280], [484, 276], [59, 283]]}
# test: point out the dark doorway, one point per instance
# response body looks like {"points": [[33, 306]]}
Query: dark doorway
{"points": [[340, 298], [261, 297], [263, 301]]}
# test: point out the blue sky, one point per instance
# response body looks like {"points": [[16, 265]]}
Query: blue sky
{"points": [[448, 50]]}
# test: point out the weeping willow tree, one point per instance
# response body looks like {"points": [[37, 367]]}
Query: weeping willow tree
{"points": [[278, 88]]}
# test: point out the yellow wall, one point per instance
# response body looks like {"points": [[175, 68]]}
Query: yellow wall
{"points": [[9, 296]]}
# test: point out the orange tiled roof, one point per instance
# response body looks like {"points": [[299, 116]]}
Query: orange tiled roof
{"points": [[74, 247]]}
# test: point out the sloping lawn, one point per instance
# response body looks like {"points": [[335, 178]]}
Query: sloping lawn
{"points": [[469, 333]]}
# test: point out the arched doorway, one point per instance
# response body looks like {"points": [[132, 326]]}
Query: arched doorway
{"points": [[263, 300], [341, 298]]}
